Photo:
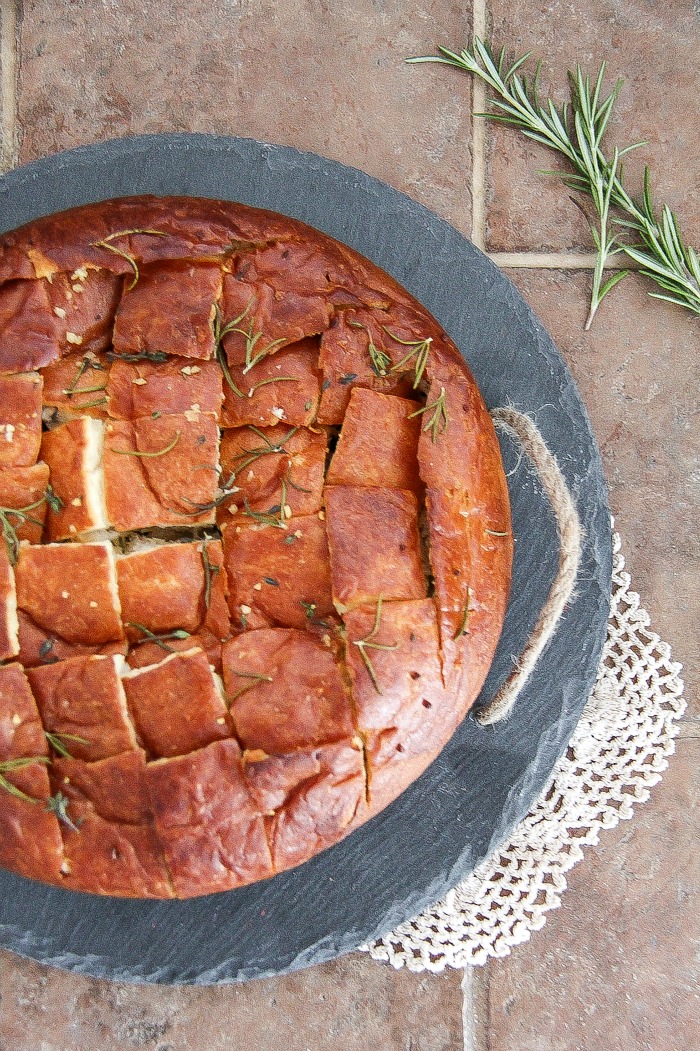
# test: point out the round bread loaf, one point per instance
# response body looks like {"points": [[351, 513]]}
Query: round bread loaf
{"points": [[257, 545]]}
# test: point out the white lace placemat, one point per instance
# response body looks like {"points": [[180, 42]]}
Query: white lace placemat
{"points": [[617, 753]]}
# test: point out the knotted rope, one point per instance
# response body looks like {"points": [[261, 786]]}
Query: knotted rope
{"points": [[522, 429]]}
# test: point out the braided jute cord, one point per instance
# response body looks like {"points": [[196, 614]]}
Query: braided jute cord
{"points": [[522, 429]]}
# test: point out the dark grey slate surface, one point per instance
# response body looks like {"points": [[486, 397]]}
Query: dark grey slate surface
{"points": [[485, 780]]}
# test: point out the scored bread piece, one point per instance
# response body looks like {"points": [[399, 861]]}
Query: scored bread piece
{"points": [[20, 419], [76, 385], [9, 623], [174, 588], [312, 798], [258, 319], [82, 703], [23, 502], [178, 704], [279, 576], [70, 591], [161, 472], [285, 690], [282, 387], [260, 466], [156, 388], [42, 319], [74, 454], [403, 709], [110, 844], [211, 831], [169, 310], [374, 545], [84, 302], [30, 839], [378, 443], [21, 728], [357, 351], [468, 519]]}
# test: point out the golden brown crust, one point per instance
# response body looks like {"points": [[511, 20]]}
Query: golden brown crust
{"points": [[327, 527]]}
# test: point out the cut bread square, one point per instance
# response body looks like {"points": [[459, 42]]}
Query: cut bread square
{"points": [[259, 466], [174, 587], [374, 545], [39, 646], [212, 833], [356, 351], [30, 332], [316, 797], [279, 576], [84, 302], [402, 707], [21, 729], [76, 385], [70, 591], [110, 845], [20, 420], [170, 310], [161, 472], [177, 705], [147, 388], [285, 690], [378, 443], [258, 319], [282, 387], [30, 837], [74, 454], [83, 706], [23, 503], [9, 623]]}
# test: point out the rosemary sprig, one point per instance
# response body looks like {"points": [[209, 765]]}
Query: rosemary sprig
{"points": [[420, 349], [379, 360], [157, 357], [221, 330], [160, 640], [9, 765], [576, 132], [275, 515], [368, 642], [255, 680], [310, 612], [107, 244], [58, 805], [438, 422], [56, 740], [9, 531], [273, 379], [210, 572], [251, 337], [662, 255], [85, 364], [159, 452]]}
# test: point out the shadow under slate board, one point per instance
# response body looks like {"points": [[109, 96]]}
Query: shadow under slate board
{"points": [[486, 779]]}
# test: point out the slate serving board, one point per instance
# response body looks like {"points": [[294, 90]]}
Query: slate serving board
{"points": [[485, 780]]}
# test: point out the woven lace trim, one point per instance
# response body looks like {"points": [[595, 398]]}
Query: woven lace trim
{"points": [[619, 750]]}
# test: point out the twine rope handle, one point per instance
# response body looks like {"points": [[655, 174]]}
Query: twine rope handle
{"points": [[522, 429]]}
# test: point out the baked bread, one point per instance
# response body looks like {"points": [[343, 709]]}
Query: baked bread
{"points": [[257, 545]]}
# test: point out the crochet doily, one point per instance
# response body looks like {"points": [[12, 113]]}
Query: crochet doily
{"points": [[619, 750]]}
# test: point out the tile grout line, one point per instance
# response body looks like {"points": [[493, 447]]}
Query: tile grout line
{"points": [[468, 1020], [473, 1028], [479, 221], [8, 84]]}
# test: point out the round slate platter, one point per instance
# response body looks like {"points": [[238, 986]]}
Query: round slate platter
{"points": [[485, 780]]}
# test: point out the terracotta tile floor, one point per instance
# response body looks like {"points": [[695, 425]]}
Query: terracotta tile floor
{"points": [[616, 968]]}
